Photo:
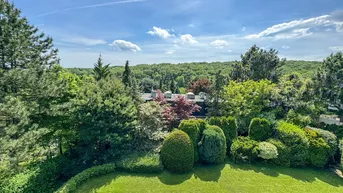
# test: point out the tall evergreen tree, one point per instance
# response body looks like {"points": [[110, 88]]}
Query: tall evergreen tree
{"points": [[21, 45], [172, 86], [126, 78], [100, 71]]}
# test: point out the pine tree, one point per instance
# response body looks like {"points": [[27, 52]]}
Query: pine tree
{"points": [[21, 45], [100, 71], [172, 86], [126, 78]]}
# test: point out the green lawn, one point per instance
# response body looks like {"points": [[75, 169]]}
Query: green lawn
{"points": [[229, 178]]}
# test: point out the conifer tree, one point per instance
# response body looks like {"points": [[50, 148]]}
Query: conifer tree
{"points": [[100, 71]]}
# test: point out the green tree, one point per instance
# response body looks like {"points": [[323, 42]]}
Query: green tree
{"points": [[100, 70], [127, 76], [217, 89], [21, 44], [172, 86]]}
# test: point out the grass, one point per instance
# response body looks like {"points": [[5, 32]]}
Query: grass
{"points": [[228, 178]]}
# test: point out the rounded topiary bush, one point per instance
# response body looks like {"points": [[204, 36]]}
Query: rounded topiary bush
{"points": [[202, 125], [267, 151], [319, 150], [212, 147], [229, 127], [191, 127], [244, 149], [295, 138], [284, 153], [260, 129], [215, 121], [177, 152]]}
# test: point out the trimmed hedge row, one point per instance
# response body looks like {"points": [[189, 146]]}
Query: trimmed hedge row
{"points": [[77, 180], [141, 163], [230, 129], [244, 149], [177, 152], [191, 127]]}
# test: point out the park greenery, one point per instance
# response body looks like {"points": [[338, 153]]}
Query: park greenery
{"points": [[59, 127]]}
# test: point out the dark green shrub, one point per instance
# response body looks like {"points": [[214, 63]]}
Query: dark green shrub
{"points": [[260, 129], [214, 121], [336, 129], [212, 147], [295, 138], [244, 149], [229, 127], [330, 139], [284, 153], [141, 163], [191, 127], [319, 150], [77, 180], [202, 125], [177, 153]]}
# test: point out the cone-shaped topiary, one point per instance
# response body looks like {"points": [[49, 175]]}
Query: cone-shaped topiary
{"points": [[229, 127], [260, 129], [177, 152], [191, 128]]}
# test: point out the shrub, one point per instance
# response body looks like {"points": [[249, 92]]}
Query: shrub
{"points": [[318, 152], [267, 151], [244, 149], [215, 121], [177, 153], [77, 180], [330, 139], [284, 153], [298, 119], [212, 147], [202, 125], [260, 129], [295, 138], [141, 163], [191, 127], [336, 129], [229, 126]]}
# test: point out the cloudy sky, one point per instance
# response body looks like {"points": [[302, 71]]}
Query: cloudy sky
{"points": [[156, 31]]}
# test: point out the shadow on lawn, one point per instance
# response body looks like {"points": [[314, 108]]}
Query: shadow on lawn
{"points": [[302, 174], [203, 172]]}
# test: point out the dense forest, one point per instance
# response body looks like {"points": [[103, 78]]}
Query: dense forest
{"points": [[57, 122]]}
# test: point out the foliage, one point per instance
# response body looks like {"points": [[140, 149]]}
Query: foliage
{"points": [[298, 119], [215, 121], [100, 71], [229, 127], [201, 85], [191, 127], [295, 138], [177, 153], [127, 76], [244, 149], [148, 84], [284, 153], [77, 180], [318, 151], [336, 129], [184, 108], [212, 147], [141, 163], [260, 129], [330, 139], [213, 103], [258, 64], [267, 151], [201, 124]]}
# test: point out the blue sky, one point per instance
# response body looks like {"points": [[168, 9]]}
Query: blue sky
{"points": [[156, 31]]}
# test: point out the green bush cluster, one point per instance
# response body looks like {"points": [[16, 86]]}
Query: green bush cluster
{"points": [[201, 124], [336, 129], [284, 153], [319, 150], [244, 149], [230, 129], [191, 127], [260, 129], [212, 147], [141, 163], [177, 152], [295, 138], [330, 139], [215, 121], [77, 180], [267, 151]]}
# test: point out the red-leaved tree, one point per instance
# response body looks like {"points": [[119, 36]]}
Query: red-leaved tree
{"points": [[184, 108], [201, 85]]}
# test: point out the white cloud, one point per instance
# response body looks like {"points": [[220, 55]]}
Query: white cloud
{"points": [[298, 28], [188, 39], [163, 33], [244, 28], [219, 44], [285, 47], [125, 46], [84, 41], [169, 52], [336, 48]]}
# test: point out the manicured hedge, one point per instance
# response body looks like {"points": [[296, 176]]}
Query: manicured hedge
{"points": [[141, 163], [177, 153], [284, 153], [77, 180], [191, 127], [267, 151], [229, 127], [260, 129], [319, 150], [202, 125], [295, 138], [215, 121], [244, 149], [212, 147]]}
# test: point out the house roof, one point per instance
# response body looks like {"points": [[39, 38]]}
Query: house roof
{"points": [[197, 99]]}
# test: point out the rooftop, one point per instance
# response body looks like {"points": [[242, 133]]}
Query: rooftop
{"points": [[148, 97]]}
